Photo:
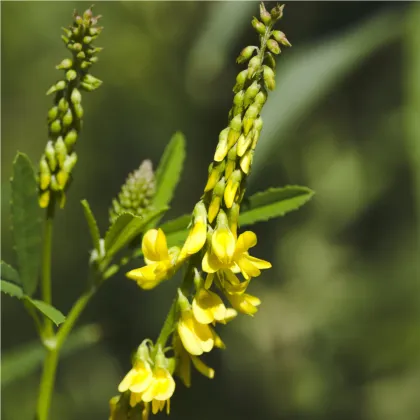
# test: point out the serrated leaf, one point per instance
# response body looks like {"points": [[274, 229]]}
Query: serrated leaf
{"points": [[93, 226], [26, 359], [169, 170], [8, 273], [26, 222], [11, 289], [126, 228], [49, 311], [274, 202]]}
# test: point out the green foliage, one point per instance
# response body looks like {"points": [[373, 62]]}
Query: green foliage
{"points": [[274, 202], [11, 289], [125, 228], [8, 273], [49, 311], [26, 222], [169, 170], [23, 361], [93, 226]]}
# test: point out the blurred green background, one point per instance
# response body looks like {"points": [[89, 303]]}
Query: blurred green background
{"points": [[338, 334]]}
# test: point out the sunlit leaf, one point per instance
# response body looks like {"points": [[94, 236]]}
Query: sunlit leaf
{"points": [[11, 289], [26, 222], [49, 311], [93, 226]]}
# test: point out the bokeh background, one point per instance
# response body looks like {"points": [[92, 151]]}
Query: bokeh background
{"points": [[338, 334]]}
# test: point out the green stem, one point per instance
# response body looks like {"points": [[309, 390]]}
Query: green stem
{"points": [[47, 384], [46, 267]]}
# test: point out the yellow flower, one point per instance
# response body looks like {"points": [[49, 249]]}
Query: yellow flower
{"points": [[196, 338], [158, 258], [160, 390], [247, 304], [226, 253], [208, 307], [138, 378]]}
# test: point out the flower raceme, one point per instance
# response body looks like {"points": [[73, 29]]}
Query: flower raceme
{"points": [[159, 260]]}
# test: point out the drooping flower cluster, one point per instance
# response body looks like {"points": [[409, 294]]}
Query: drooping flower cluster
{"points": [[65, 117], [215, 254]]}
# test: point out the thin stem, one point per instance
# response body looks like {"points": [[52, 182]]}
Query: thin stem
{"points": [[46, 289], [47, 384]]}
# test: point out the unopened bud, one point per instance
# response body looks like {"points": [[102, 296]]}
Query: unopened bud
{"points": [[95, 31], [70, 162], [231, 162], [85, 65], [44, 199], [44, 174], [76, 96], [62, 178], [76, 47], [246, 54], [52, 113], [216, 200], [87, 39], [251, 93], [246, 161], [233, 218], [60, 151], [58, 86], [280, 37], [264, 15], [71, 75], [78, 109], [50, 154], [269, 78], [81, 55], [65, 64], [232, 188], [67, 31], [269, 60], [261, 98], [250, 115], [55, 127], [273, 46], [63, 105], [235, 130], [260, 27], [240, 80], [93, 60], [68, 118], [253, 66], [243, 143], [215, 171], [70, 139], [277, 12], [238, 103], [54, 184], [222, 146]]}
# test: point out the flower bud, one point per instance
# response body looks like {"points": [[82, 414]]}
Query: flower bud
{"points": [[58, 86], [243, 143], [62, 178], [44, 199], [232, 188], [238, 103], [235, 130], [260, 27], [273, 46], [60, 151], [264, 15], [68, 118], [85, 64], [95, 31], [70, 162], [76, 47], [63, 105], [277, 12], [246, 54], [240, 80], [55, 127], [76, 96], [87, 39], [269, 60], [222, 146], [70, 139], [50, 154], [71, 75], [251, 93], [54, 184], [233, 218], [81, 55], [52, 113], [65, 40], [215, 170], [253, 66], [280, 37], [250, 115], [246, 161], [44, 174], [78, 109], [65, 64], [269, 78], [231, 162], [260, 99], [216, 200]]}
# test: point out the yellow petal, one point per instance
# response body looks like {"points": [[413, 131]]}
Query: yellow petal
{"points": [[245, 241], [261, 264], [246, 304], [196, 238], [207, 307], [142, 379], [161, 246], [187, 335], [247, 268], [202, 367], [163, 385], [148, 245], [223, 244], [210, 263], [135, 398], [126, 382]]}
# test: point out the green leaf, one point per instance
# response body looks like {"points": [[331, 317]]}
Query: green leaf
{"points": [[26, 222], [93, 226], [176, 225], [49, 311], [11, 289], [21, 362], [169, 170], [8, 273], [274, 202], [126, 228]]}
